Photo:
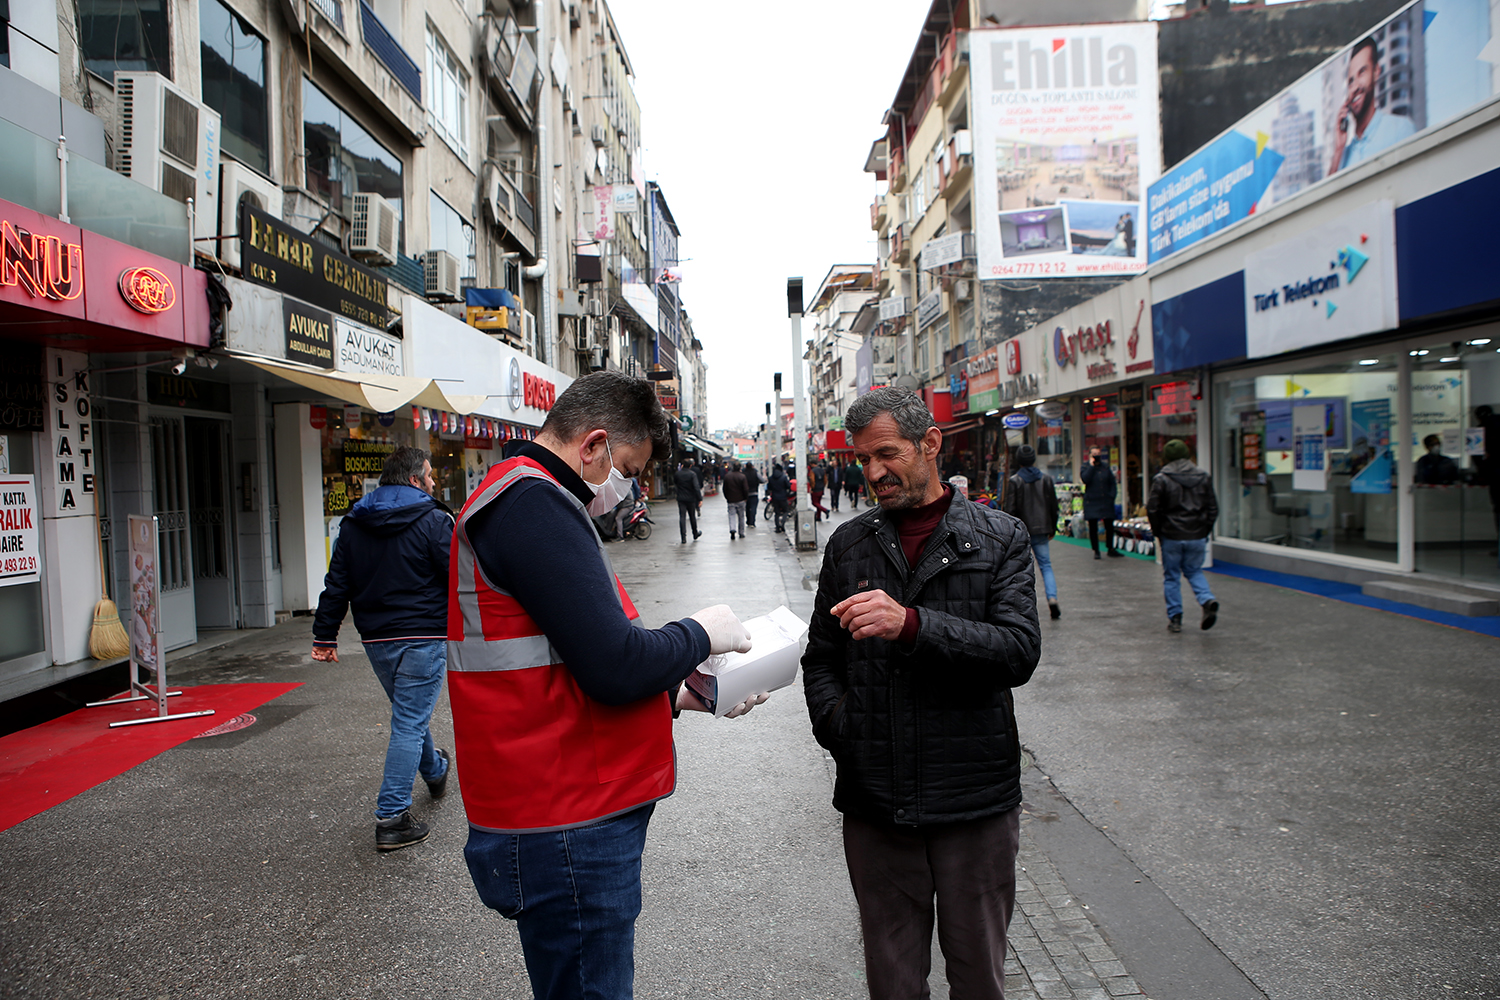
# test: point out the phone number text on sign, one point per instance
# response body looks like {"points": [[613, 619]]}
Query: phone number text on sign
{"points": [[19, 538]]}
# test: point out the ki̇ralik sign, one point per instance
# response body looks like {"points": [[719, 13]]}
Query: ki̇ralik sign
{"points": [[1332, 282]]}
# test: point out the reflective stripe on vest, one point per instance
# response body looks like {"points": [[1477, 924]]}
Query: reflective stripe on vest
{"points": [[534, 752]]}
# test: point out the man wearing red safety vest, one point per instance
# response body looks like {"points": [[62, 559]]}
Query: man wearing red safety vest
{"points": [[562, 701]]}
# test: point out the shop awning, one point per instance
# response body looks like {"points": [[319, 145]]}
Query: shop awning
{"points": [[958, 426], [378, 393], [695, 442]]}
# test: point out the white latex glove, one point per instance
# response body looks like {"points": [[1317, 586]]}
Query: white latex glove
{"points": [[744, 707], [726, 634]]}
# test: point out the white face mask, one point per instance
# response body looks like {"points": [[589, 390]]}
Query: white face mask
{"points": [[616, 487]]}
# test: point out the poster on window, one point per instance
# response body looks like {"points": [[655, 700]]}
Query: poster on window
{"points": [[1425, 65], [1310, 430], [1067, 138], [145, 593], [20, 548], [1370, 446]]}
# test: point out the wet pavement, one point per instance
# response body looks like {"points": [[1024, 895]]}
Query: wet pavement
{"points": [[1296, 804]]}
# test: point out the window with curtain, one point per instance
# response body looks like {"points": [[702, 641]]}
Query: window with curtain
{"points": [[447, 94], [343, 159], [125, 35], [234, 83]]}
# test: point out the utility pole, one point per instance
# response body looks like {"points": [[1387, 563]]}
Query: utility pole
{"points": [[807, 533]]}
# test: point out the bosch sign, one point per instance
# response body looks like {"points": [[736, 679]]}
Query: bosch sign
{"points": [[538, 392]]}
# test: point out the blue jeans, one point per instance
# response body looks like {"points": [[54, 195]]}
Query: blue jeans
{"points": [[411, 671], [1183, 556], [1041, 547], [574, 895]]}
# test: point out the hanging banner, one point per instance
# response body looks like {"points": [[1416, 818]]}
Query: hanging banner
{"points": [[1425, 65], [1309, 448], [1068, 137], [1370, 446], [20, 547]]}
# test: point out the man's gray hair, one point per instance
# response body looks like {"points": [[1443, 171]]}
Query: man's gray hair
{"points": [[401, 464], [905, 407]]}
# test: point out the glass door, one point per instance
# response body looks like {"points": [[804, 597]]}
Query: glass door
{"points": [[169, 491]]}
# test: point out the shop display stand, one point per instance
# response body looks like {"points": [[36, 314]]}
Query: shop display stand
{"points": [[146, 600]]}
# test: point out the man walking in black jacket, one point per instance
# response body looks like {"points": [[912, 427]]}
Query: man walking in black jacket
{"points": [[1183, 508], [752, 482], [391, 565], [689, 498], [924, 621]]}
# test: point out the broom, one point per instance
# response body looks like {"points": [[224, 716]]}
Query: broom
{"points": [[107, 639]]}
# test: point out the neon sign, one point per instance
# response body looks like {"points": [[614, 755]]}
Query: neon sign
{"points": [[147, 290], [43, 265]]}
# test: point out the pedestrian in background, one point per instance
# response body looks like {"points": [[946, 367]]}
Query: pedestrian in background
{"points": [[779, 492], [835, 480], [689, 498], [1182, 508], [752, 483], [1032, 497], [854, 483], [562, 703], [390, 565], [819, 483], [1099, 501], [736, 491], [924, 620]]}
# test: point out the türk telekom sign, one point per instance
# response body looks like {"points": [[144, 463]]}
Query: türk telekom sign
{"points": [[73, 274]]}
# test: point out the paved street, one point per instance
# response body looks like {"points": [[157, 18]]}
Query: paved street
{"points": [[1295, 805]]}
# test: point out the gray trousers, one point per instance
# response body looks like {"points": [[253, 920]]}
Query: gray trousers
{"points": [[737, 518], [968, 868]]}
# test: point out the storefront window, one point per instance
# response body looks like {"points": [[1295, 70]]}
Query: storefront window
{"points": [[1170, 414], [1455, 457], [1102, 429], [1054, 447], [1304, 459], [21, 631]]}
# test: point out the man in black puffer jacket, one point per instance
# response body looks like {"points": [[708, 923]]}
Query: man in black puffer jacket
{"points": [[925, 619], [391, 565]]}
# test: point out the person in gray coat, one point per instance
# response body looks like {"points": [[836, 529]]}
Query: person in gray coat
{"points": [[1031, 496], [1099, 501]]}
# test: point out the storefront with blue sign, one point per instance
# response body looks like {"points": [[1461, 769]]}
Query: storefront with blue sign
{"points": [[1349, 339]]}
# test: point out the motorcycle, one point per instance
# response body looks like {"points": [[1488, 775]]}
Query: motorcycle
{"points": [[637, 521]]}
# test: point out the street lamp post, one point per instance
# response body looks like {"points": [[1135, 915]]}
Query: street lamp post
{"points": [[807, 531]]}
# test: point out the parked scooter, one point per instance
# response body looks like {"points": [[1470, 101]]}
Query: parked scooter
{"points": [[637, 522]]}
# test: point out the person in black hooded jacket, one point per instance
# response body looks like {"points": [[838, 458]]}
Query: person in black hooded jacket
{"points": [[1183, 508], [390, 565]]}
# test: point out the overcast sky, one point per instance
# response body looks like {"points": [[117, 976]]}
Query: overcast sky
{"points": [[757, 127]]}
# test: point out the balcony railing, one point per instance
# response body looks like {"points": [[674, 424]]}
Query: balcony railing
{"points": [[331, 9], [389, 51]]}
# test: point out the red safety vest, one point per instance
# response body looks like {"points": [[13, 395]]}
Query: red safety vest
{"points": [[534, 752]]}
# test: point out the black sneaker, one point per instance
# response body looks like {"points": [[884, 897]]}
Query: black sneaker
{"points": [[397, 832], [1054, 609], [437, 789], [1174, 624], [1116, 554], [1096, 553], [1210, 615]]}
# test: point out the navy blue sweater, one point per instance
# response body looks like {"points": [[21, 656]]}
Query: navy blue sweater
{"points": [[535, 545], [391, 566]]}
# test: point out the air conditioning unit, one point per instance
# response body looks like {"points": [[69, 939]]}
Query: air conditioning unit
{"points": [[600, 135], [596, 359], [961, 290], [963, 143], [170, 143], [596, 307], [238, 184], [440, 276], [372, 238]]}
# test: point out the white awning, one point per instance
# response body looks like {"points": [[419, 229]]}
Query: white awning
{"points": [[697, 443], [378, 393]]}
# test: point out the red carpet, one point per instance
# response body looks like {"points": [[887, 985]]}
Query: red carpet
{"points": [[51, 763]]}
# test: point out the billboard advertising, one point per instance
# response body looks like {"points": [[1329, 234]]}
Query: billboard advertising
{"points": [[1422, 67], [1067, 137]]}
